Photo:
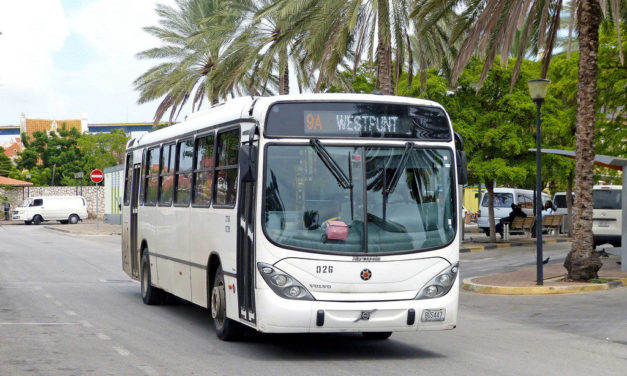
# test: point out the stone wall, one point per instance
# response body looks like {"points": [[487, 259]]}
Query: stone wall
{"points": [[17, 195]]}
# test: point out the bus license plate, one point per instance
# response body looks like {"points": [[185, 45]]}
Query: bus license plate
{"points": [[433, 314], [604, 223]]}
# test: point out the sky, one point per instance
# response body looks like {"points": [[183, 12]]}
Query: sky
{"points": [[60, 59]]}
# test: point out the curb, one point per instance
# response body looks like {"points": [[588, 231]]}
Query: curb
{"points": [[481, 248], [471, 286]]}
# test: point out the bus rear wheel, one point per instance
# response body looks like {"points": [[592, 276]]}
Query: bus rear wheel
{"points": [[150, 295], [376, 335], [226, 329]]}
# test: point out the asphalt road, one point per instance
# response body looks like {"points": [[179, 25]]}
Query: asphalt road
{"points": [[66, 308]]}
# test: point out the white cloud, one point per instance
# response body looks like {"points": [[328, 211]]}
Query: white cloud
{"points": [[101, 85], [31, 31]]}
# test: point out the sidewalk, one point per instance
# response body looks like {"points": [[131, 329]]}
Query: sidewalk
{"points": [[85, 227], [477, 241], [523, 281]]}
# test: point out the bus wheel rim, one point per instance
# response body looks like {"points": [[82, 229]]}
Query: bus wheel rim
{"points": [[217, 303]]}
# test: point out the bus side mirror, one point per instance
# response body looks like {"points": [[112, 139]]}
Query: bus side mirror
{"points": [[248, 163], [462, 168]]}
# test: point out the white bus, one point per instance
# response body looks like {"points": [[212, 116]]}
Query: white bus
{"points": [[308, 213]]}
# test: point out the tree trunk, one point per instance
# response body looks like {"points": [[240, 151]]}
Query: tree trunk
{"points": [[54, 170], [384, 49], [284, 74], [581, 262], [410, 63], [489, 186]]}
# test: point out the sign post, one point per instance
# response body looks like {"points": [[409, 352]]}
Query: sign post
{"points": [[78, 175], [97, 176]]}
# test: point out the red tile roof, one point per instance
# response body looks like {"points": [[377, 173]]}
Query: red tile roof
{"points": [[14, 182], [34, 125], [12, 150]]}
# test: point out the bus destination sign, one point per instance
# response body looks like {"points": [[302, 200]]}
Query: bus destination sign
{"points": [[346, 123], [354, 119]]}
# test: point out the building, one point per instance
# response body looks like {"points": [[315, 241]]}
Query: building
{"points": [[30, 126], [113, 190], [10, 135], [12, 149]]}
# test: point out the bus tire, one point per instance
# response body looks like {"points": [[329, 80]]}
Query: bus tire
{"points": [[37, 220], [150, 295], [376, 335], [226, 329], [73, 219]]}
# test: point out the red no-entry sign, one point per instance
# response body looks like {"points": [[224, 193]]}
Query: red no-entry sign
{"points": [[96, 176]]}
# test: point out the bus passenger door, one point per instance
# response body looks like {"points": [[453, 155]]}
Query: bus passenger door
{"points": [[133, 218], [246, 231]]}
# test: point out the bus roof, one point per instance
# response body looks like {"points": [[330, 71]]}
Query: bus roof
{"points": [[238, 108]]}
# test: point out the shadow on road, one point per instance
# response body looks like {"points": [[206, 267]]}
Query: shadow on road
{"points": [[324, 347], [272, 347]]}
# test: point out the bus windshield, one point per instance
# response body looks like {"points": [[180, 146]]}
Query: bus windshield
{"points": [[396, 199]]}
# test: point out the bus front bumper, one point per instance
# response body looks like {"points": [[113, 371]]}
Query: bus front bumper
{"points": [[278, 315]]}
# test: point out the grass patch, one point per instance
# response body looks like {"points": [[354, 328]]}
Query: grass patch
{"points": [[598, 280]]}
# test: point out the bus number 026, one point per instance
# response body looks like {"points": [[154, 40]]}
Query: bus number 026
{"points": [[324, 269]]}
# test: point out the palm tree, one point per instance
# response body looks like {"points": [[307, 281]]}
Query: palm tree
{"points": [[429, 45], [335, 30], [189, 59], [258, 59], [491, 27]]}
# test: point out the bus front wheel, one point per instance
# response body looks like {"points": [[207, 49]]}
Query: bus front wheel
{"points": [[226, 329]]}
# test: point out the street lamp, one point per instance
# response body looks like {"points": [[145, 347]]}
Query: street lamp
{"points": [[537, 90], [28, 176]]}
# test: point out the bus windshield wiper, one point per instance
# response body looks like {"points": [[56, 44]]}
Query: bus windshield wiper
{"points": [[398, 170], [335, 169]]}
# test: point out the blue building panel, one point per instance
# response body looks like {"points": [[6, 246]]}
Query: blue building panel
{"points": [[126, 128], [10, 131]]}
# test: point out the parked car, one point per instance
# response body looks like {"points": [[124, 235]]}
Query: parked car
{"points": [[607, 214], [65, 209], [559, 202], [503, 200]]}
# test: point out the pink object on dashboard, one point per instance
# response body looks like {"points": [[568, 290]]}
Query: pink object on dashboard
{"points": [[337, 230]]}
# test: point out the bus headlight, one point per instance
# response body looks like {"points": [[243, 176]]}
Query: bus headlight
{"points": [[441, 284], [282, 283]]}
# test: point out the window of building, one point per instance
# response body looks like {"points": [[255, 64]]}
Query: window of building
{"points": [[203, 170], [183, 177], [226, 171]]}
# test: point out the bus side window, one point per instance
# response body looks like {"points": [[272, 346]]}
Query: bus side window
{"points": [[166, 176], [127, 179], [203, 167], [183, 177], [225, 191], [151, 176]]}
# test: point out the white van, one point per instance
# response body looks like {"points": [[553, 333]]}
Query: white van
{"points": [[503, 200], [607, 214], [65, 209]]}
